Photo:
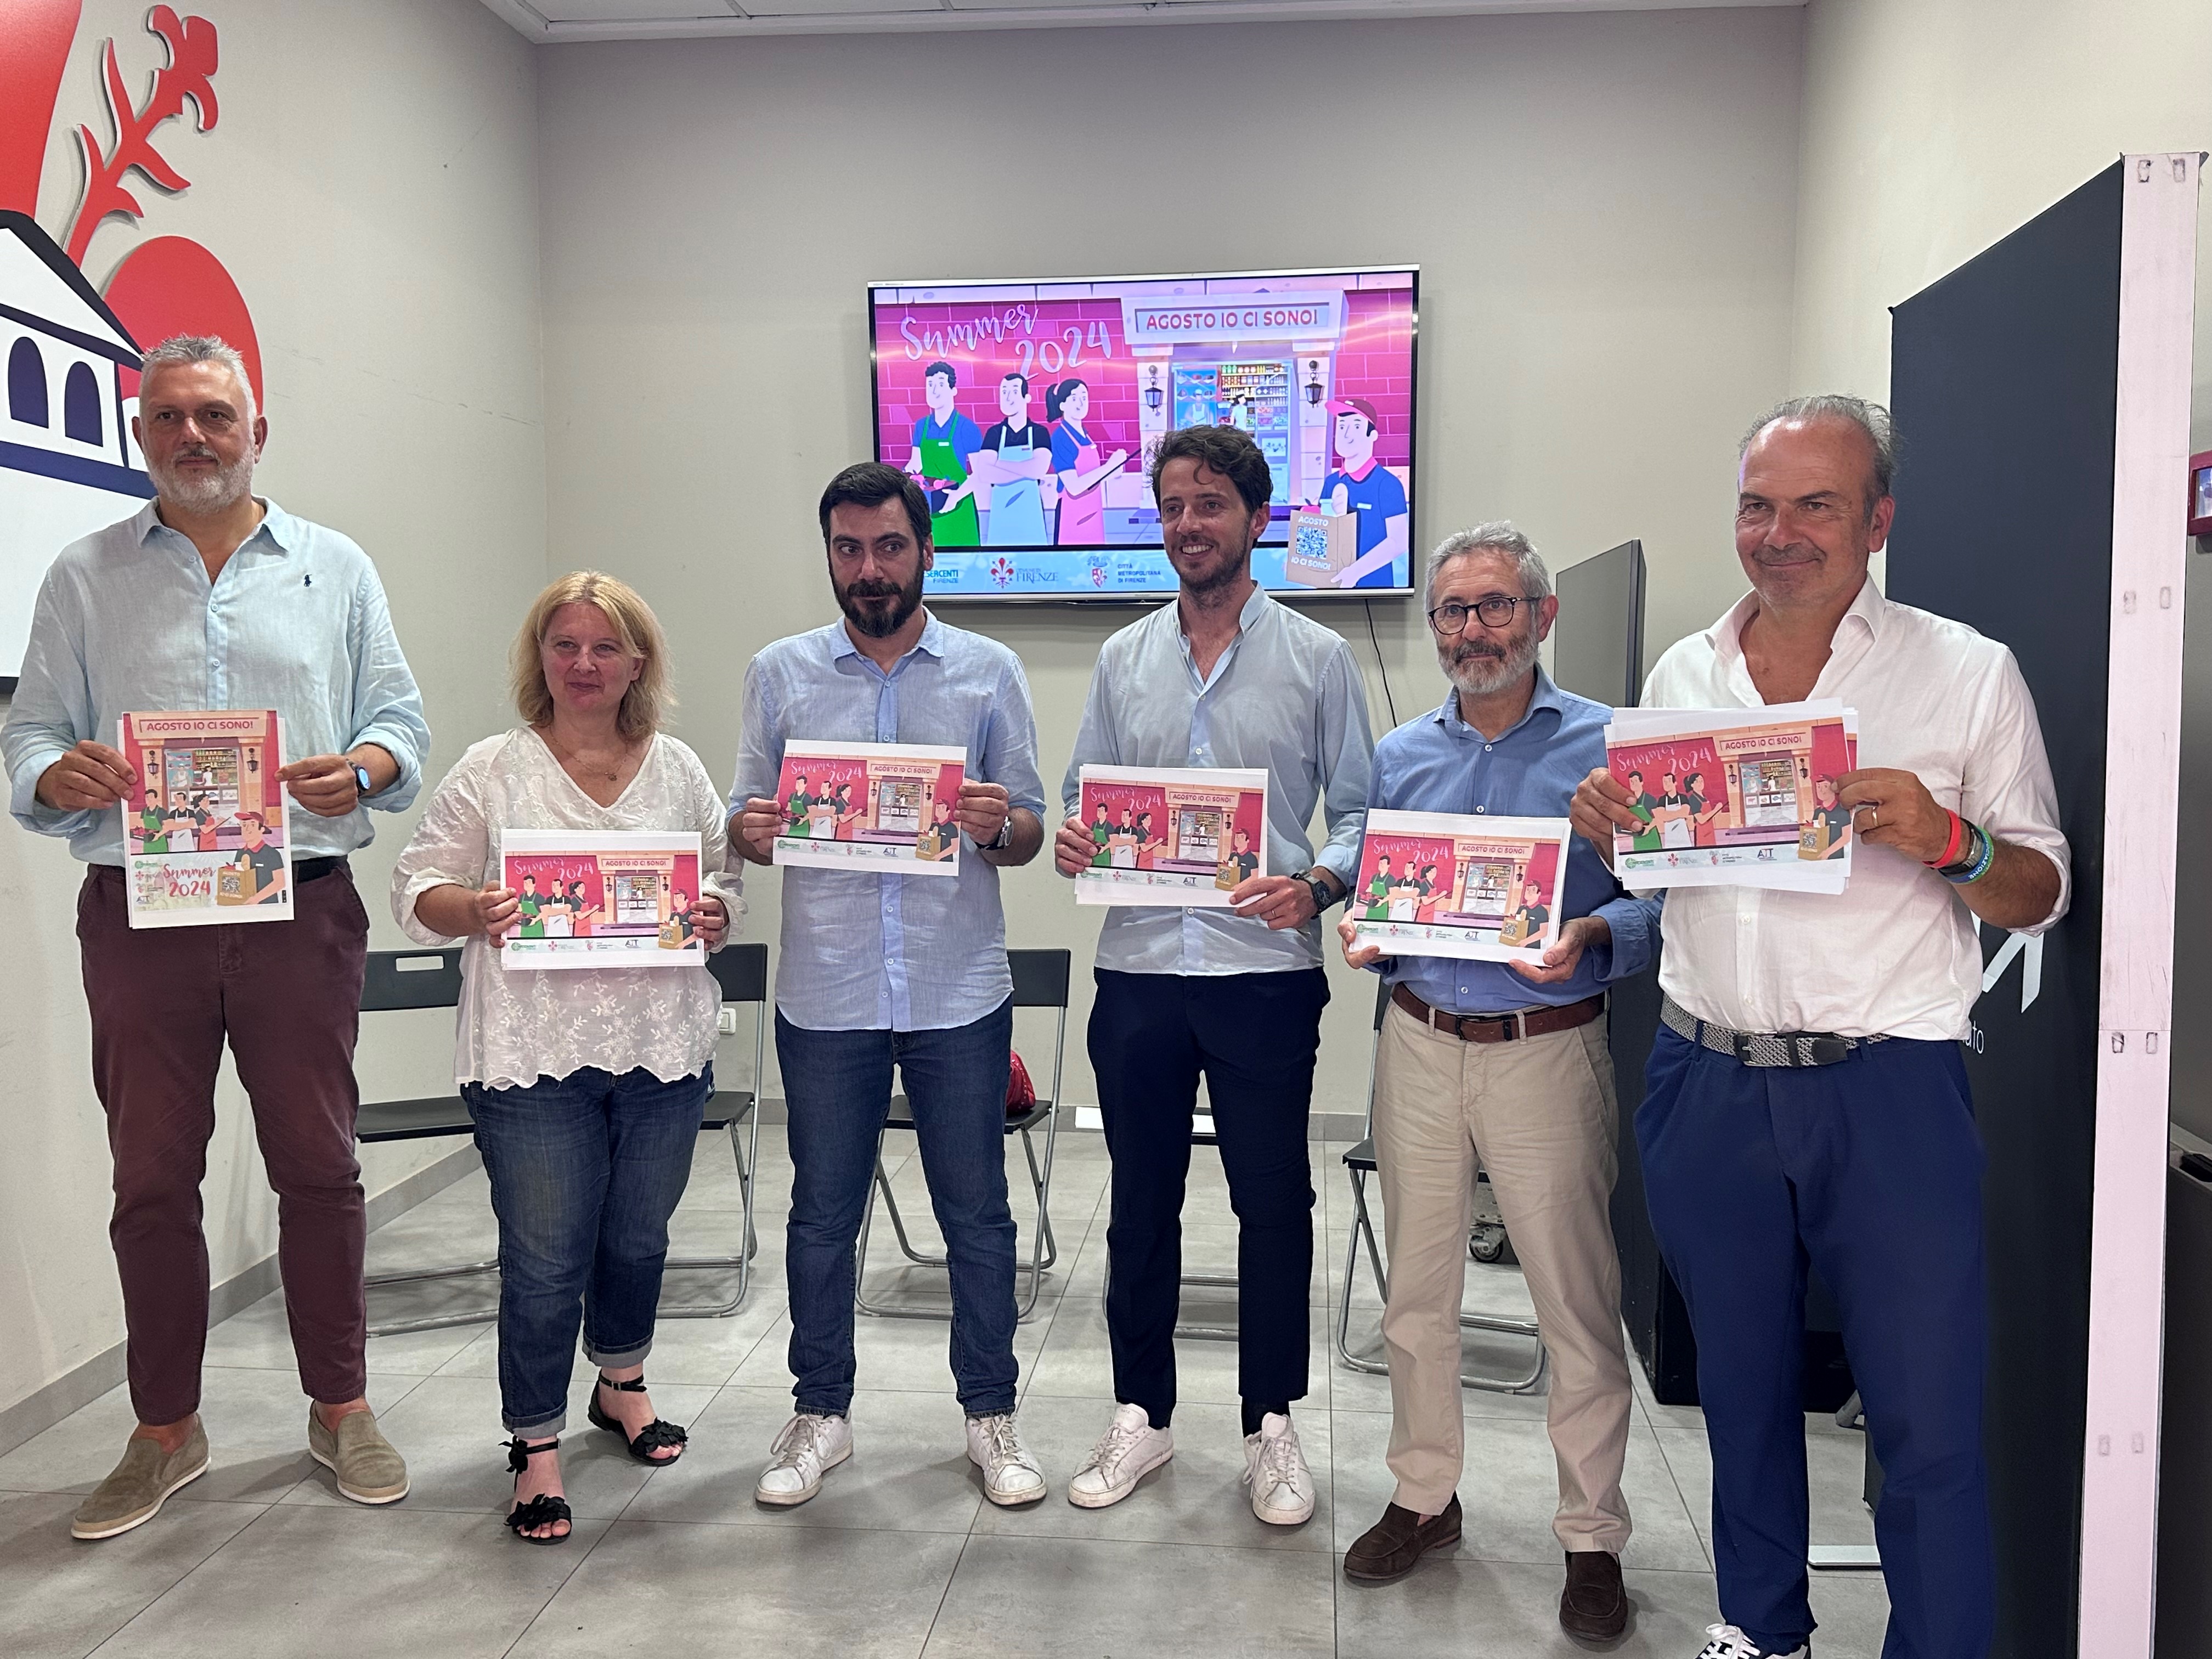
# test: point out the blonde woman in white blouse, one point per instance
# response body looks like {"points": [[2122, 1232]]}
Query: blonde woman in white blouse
{"points": [[587, 1086]]}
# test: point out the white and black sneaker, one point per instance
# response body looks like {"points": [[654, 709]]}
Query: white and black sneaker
{"points": [[1727, 1642]]}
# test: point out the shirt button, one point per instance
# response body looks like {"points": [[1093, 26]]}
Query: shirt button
{"points": [[1487, 748], [1481, 808]]}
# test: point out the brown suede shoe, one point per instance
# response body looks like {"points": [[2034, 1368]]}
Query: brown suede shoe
{"points": [[1594, 1607], [1394, 1546]]}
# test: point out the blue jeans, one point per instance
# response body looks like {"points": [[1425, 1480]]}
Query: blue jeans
{"points": [[585, 1170], [837, 1086], [1870, 1172]]}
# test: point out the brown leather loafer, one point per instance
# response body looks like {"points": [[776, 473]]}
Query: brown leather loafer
{"points": [[1594, 1607], [1394, 1546]]}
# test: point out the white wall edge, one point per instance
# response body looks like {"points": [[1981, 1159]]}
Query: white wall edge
{"points": [[2142, 762]]}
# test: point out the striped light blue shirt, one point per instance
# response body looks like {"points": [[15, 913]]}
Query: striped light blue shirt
{"points": [[1286, 698], [127, 621], [874, 952]]}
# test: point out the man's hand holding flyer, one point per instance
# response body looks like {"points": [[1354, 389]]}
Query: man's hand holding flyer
{"points": [[206, 826], [1184, 837], [1448, 884], [888, 807], [1742, 797]]}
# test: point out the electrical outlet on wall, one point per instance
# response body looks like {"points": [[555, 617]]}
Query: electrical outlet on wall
{"points": [[725, 1021]]}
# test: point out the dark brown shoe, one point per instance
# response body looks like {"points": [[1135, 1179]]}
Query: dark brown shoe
{"points": [[1594, 1607], [1394, 1546]]}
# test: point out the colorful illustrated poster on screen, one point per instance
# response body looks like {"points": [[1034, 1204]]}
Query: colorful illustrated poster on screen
{"points": [[1442, 884], [607, 898], [887, 807], [1029, 412], [1177, 836], [206, 837]]}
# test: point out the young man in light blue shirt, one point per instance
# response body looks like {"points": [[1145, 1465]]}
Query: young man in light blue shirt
{"points": [[1223, 676], [879, 969], [1504, 1068]]}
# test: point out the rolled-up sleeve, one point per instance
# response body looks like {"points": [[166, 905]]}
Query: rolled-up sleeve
{"points": [[450, 847], [1093, 737], [1346, 754], [2007, 787], [760, 742], [1010, 748], [52, 712], [1633, 923], [387, 705]]}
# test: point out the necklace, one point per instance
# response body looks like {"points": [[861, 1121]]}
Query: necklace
{"points": [[573, 762]]}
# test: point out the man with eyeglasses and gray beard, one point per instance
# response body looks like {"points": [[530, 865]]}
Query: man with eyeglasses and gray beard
{"points": [[211, 597], [1484, 1065]]}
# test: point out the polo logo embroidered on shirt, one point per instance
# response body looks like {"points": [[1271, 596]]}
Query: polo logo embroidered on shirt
{"points": [[306, 581]]}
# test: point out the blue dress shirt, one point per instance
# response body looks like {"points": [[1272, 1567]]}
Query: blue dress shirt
{"points": [[1439, 763], [127, 621], [1286, 698], [865, 952]]}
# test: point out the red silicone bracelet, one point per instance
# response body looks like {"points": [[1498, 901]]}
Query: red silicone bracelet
{"points": [[1950, 847]]}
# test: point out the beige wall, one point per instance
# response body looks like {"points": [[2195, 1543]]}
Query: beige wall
{"points": [[1596, 323], [1930, 131], [372, 184]]}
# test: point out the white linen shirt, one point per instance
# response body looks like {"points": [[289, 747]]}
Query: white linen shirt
{"points": [[1897, 953], [515, 1027]]}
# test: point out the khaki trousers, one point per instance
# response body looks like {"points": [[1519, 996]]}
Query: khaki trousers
{"points": [[1539, 1115]]}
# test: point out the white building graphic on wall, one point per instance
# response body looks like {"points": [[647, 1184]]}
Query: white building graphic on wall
{"points": [[67, 464]]}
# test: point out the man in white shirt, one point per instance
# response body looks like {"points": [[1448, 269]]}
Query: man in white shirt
{"points": [[1806, 1102]]}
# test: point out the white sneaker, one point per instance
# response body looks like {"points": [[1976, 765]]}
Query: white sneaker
{"points": [[1275, 1468], [1727, 1642], [803, 1449], [1130, 1450], [1011, 1475]]}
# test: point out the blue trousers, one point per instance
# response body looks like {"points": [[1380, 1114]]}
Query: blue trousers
{"points": [[585, 1170], [1254, 1037], [837, 1085], [1869, 1170]]}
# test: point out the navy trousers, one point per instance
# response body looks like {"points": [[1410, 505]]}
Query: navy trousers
{"points": [[1254, 1037], [1869, 1170]]}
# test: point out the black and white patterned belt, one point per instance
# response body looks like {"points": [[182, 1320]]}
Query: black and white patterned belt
{"points": [[1761, 1048]]}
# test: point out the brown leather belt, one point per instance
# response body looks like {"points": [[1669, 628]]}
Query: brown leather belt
{"points": [[1500, 1028]]}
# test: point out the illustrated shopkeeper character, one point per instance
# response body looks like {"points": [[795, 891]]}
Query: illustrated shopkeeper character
{"points": [[1363, 486], [1015, 458], [255, 854], [943, 439]]}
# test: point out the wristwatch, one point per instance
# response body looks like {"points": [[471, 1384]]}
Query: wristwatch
{"points": [[1320, 889], [362, 786]]}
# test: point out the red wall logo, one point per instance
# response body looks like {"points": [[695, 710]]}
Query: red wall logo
{"points": [[69, 350]]}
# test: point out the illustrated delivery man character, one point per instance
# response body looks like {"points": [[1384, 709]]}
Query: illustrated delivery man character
{"points": [[1364, 487]]}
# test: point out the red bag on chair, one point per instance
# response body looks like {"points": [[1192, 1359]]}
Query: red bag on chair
{"points": [[1020, 1093]]}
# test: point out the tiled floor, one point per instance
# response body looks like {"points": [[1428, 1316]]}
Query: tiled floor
{"points": [[262, 1558]]}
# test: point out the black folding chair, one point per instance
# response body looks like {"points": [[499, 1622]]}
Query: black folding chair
{"points": [[1358, 1164], [397, 979], [1041, 980]]}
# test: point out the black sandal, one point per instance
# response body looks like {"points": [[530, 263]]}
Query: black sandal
{"points": [[543, 1511], [650, 1438]]}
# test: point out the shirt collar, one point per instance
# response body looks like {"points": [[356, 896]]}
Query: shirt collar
{"points": [[1547, 696], [1869, 610], [931, 644], [1357, 474], [281, 527]]}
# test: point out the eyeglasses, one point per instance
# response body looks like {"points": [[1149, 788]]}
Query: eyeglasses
{"points": [[1496, 611]]}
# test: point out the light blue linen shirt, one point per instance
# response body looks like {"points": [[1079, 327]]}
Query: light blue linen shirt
{"points": [[872, 952], [127, 621], [1286, 697], [1439, 763]]}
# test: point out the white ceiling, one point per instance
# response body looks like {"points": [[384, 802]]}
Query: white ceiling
{"points": [[659, 20]]}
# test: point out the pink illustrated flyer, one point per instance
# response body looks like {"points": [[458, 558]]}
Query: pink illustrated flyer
{"points": [[884, 807], [206, 826], [1445, 885], [1185, 837], [609, 898]]}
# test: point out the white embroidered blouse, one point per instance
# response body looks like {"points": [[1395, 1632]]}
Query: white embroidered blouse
{"points": [[516, 1028]]}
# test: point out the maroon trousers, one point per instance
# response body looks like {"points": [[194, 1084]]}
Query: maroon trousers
{"points": [[286, 995]]}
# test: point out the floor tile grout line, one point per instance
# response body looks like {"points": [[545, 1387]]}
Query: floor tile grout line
{"points": [[181, 1578]]}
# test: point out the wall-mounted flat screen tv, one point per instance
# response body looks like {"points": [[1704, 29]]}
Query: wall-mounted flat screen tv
{"points": [[1029, 412]]}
